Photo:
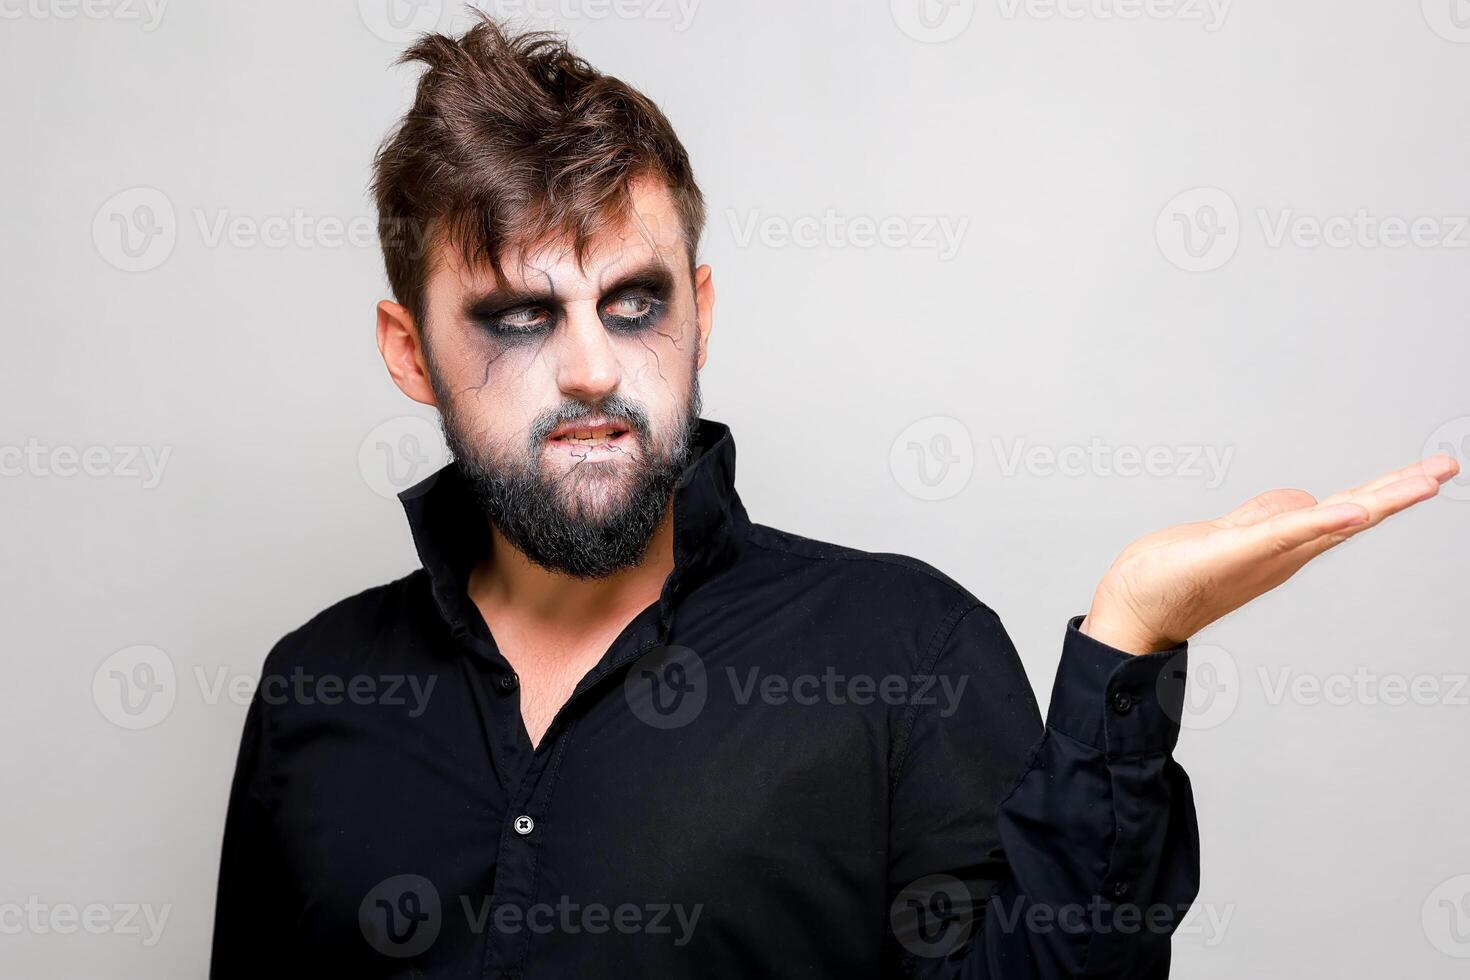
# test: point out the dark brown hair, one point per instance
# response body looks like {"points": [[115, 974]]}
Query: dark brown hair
{"points": [[512, 141]]}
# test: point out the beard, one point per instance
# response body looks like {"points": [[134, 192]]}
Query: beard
{"points": [[594, 519]]}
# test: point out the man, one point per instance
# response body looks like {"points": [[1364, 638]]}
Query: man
{"points": [[647, 736]]}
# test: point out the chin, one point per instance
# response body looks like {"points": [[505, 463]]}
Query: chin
{"points": [[596, 495]]}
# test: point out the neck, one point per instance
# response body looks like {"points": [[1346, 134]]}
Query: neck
{"points": [[507, 579]]}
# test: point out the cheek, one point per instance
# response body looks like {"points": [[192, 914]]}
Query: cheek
{"points": [[658, 362], [498, 389]]}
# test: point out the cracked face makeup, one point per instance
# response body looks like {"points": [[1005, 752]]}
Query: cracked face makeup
{"points": [[569, 392]]}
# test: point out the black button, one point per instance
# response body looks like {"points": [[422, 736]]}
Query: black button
{"points": [[1122, 702], [508, 683], [1120, 889]]}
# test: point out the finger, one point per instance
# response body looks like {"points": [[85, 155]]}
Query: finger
{"points": [[1265, 505], [1439, 468], [1318, 528], [1391, 498]]}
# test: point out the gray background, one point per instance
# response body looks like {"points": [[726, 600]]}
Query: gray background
{"points": [[1070, 143]]}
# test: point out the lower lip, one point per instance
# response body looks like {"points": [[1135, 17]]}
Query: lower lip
{"points": [[618, 446]]}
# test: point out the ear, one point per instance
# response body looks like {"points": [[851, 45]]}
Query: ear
{"points": [[704, 302], [402, 348]]}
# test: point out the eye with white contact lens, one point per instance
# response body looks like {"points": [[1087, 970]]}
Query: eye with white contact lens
{"points": [[522, 321], [632, 311]]}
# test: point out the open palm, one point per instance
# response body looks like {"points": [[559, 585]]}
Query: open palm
{"points": [[1167, 586]]}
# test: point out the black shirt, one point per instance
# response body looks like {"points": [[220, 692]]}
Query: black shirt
{"points": [[802, 761]]}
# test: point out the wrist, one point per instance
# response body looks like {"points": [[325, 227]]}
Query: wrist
{"points": [[1121, 634]]}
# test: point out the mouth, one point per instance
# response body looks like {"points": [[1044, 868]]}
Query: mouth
{"points": [[591, 438]]}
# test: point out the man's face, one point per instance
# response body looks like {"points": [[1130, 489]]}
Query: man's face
{"points": [[569, 394]]}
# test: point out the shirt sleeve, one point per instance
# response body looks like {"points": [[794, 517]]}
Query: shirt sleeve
{"points": [[252, 892], [1018, 858]]}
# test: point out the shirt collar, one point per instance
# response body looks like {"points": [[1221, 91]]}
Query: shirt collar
{"points": [[451, 533]]}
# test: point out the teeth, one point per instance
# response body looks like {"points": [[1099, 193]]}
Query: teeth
{"points": [[586, 437]]}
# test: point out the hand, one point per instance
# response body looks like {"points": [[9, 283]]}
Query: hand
{"points": [[1169, 585]]}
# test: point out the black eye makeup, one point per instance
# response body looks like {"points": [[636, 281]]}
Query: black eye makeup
{"points": [[637, 305], [634, 303]]}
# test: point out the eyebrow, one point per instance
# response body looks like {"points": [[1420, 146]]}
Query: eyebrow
{"points": [[653, 276]]}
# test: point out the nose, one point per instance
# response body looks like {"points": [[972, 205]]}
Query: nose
{"points": [[587, 367]]}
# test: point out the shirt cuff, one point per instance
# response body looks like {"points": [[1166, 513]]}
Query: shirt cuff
{"points": [[1118, 703]]}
